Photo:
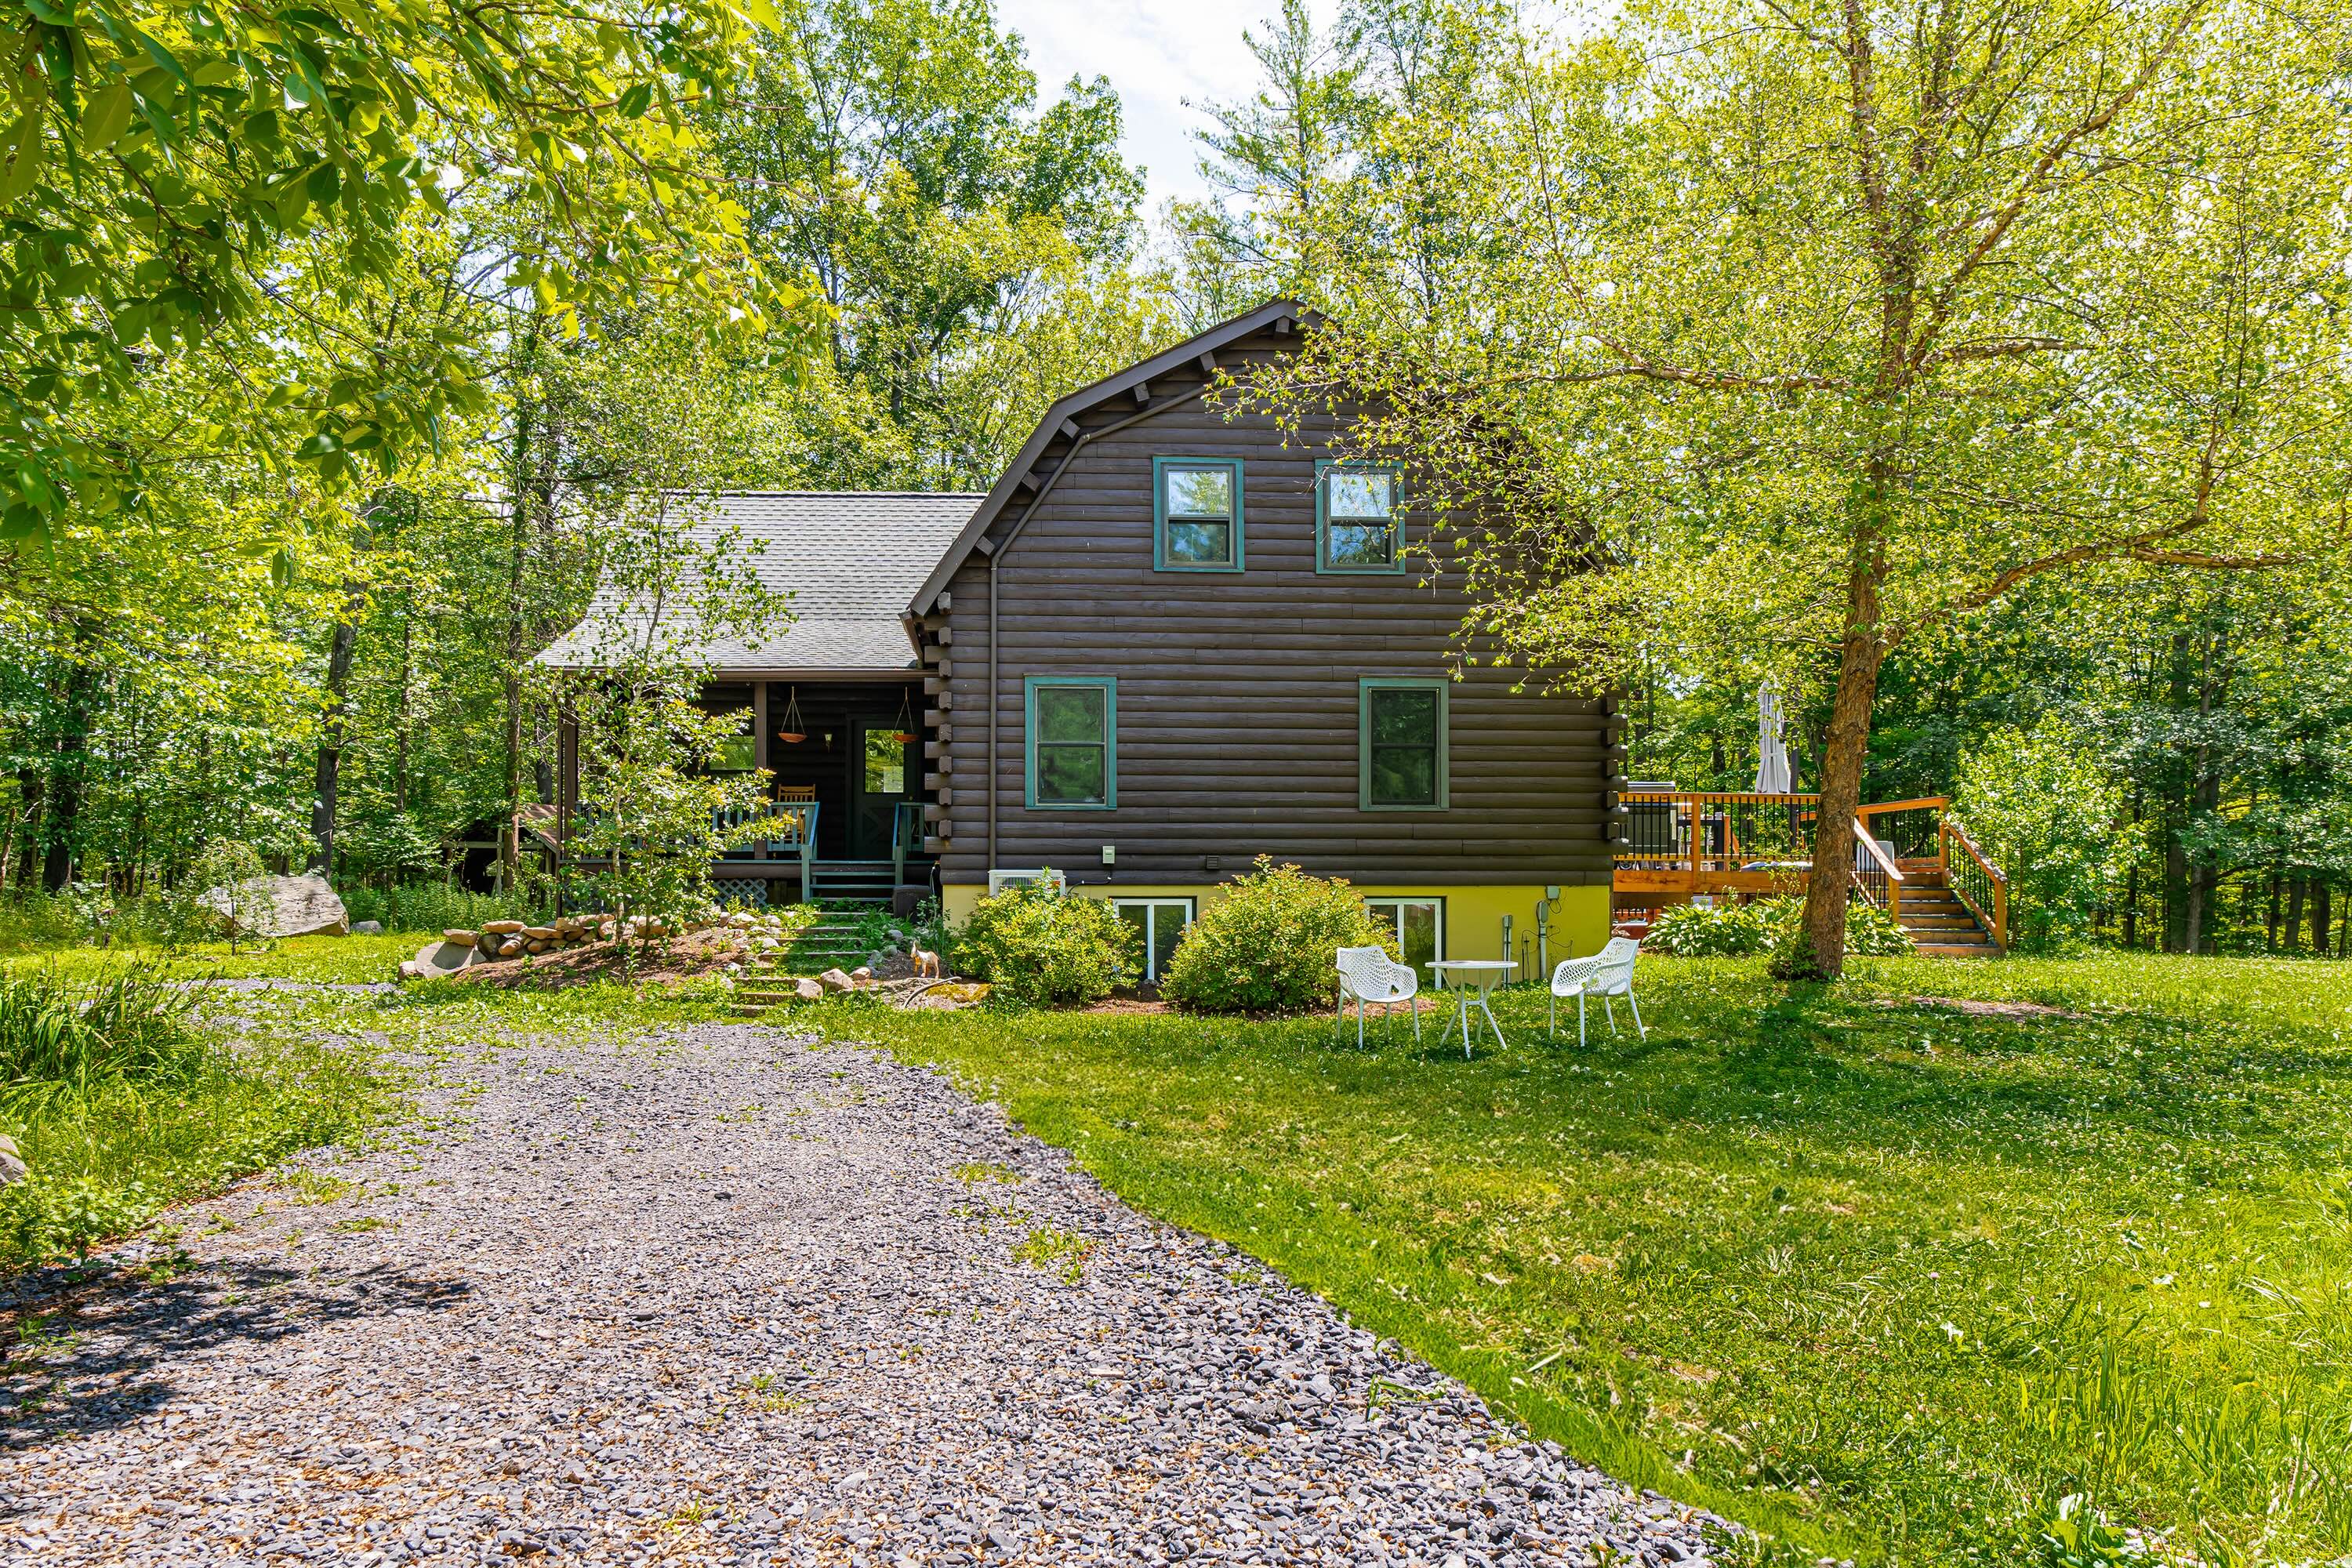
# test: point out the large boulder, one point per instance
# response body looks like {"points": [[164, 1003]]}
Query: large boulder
{"points": [[280, 906], [437, 958]]}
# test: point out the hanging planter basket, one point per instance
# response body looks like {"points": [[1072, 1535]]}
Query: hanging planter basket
{"points": [[906, 734], [794, 728]]}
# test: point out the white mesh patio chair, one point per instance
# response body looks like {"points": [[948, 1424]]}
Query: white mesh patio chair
{"points": [[1369, 974], [1607, 973]]}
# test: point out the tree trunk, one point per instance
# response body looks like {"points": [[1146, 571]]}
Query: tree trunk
{"points": [[2176, 887], [30, 784], [2131, 880], [400, 716], [2294, 914], [330, 731], [69, 761], [2322, 896], [1860, 658]]}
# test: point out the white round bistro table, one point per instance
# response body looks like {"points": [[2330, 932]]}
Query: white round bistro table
{"points": [[1485, 973]]}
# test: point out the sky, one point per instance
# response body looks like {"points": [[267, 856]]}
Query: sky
{"points": [[1158, 54]]}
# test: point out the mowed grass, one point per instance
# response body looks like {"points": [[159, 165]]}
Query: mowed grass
{"points": [[329, 959], [1876, 1277]]}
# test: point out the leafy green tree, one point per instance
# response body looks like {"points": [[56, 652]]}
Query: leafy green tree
{"points": [[163, 158], [893, 148], [2045, 811], [1817, 328]]}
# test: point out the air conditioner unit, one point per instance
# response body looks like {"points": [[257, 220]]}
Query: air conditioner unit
{"points": [[1000, 880]]}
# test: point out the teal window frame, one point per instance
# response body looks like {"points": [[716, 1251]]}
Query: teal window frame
{"points": [[1324, 566], [1160, 561], [1108, 686], [1370, 684]]}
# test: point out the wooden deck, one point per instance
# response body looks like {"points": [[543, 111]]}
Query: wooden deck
{"points": [[1911, 857]]}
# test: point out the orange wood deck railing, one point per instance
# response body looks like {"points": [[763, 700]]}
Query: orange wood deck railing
{"points": [[1684, 842]]}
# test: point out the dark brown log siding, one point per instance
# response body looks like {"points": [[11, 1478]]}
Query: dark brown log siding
{"points": [[1237, 694]]}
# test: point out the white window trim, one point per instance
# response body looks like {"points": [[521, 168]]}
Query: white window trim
{"points": [[1145, 902], [1396, 921]]}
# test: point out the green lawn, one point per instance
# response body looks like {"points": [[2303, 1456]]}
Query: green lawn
{"points": [[323, 958], [1878, 1278]]}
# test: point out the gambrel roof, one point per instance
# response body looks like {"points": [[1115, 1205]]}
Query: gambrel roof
{"points": [[861, 566], [1134, 380]]}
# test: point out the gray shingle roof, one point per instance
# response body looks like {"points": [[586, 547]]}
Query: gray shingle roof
{"points": [[851, 560]]}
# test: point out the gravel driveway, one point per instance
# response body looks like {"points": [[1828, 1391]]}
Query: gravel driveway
{"points": [[732, 1298]]}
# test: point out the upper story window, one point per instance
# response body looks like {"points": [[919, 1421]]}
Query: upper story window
{"points": [[1400, 761], [1197, 514], [1073, 725], [1355, 519]]}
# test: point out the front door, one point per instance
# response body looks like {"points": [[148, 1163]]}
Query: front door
{"points": [[884, 771]]}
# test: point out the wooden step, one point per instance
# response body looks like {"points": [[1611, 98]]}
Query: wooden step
{"points": [[1955, 949]]}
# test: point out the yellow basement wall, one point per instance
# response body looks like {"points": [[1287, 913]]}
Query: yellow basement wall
{"points": [[1474, 915]]}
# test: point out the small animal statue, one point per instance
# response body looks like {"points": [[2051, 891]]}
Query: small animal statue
{"points": [[926, 966]]}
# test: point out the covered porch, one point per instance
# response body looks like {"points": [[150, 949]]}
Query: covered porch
{"points": [[845, 793]]}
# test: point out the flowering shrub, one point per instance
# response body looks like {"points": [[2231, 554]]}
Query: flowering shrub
{"points": [[1037, 944], [1267, 943]]}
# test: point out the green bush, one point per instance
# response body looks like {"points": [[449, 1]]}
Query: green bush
{"points": [[67, 1043], [1037, 944], [36, 920], [1767, 925], [435, 906], [1870, 932], [1265, 944], [1722, 930]]}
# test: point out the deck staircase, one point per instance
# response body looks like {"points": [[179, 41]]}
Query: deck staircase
{"points": [[1941, 925]]}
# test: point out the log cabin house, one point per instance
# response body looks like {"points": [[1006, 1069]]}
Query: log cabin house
{"points": [[1168, 640]]}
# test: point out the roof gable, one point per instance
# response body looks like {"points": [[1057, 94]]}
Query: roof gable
{"points": [[1064, 411]]}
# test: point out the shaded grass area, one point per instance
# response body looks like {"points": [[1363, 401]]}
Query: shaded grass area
{"points": [[130, 1110], [1871, 1276]]}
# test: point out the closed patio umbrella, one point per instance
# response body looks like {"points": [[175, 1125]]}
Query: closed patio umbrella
{"points": [[1773, 775]]}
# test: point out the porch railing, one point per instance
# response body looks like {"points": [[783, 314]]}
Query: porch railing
{"points": [[1718, 831], [906, 831], [1875, 875], [791, 836]]}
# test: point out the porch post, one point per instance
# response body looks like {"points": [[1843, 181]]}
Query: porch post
{"points": [[759, 750], [567, 794], [759, 720]]}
